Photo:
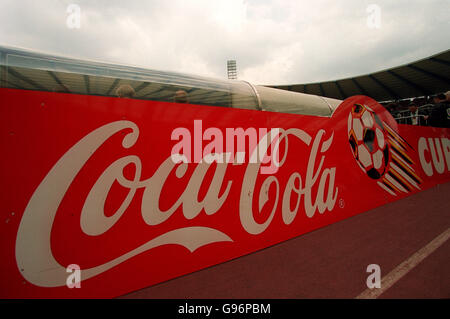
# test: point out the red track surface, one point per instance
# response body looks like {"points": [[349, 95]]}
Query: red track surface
{"points": [[331, 262]]}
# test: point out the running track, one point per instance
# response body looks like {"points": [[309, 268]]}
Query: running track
{"points": [[331, 262]]}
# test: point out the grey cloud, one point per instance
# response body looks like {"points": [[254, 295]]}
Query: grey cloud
{"points": [[275, 42]]}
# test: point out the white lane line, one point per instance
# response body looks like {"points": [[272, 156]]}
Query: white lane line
{"points": [[402, 269]]}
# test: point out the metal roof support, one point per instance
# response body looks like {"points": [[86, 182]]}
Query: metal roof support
{"points": [[25, 79], [142, 86], [256, 94], [11, 84], [204, 96], [414, 85], [87, 84], [116, 81], [2, 69], [391, 93], [341, 91], [321, 90], [155, 92], [53, 75], [440, 61], [360, 87], [431, 74]]}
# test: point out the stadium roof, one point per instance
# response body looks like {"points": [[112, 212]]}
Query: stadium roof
{"points": [[421, 78]]}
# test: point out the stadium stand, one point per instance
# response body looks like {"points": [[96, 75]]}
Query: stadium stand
{"points": [[422, 83]]}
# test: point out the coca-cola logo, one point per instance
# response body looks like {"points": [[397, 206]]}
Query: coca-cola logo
{"points": [[33, 250]]}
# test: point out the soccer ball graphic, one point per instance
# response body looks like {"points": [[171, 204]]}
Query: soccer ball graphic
{"points": [[367, 140]]}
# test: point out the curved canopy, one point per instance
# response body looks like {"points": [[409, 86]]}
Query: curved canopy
{"points": [[425, 77], [30, 70]]}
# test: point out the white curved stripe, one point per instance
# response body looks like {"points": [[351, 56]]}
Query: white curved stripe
{"points": [[386, 188], [402, 160], [396, 143], [405, 176], [395, 183]]}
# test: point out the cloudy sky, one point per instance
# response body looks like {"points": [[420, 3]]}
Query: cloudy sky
{"points": [[273, 41]]}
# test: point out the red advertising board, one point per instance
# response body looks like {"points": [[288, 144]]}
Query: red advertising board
{"points": [[90, 183]]}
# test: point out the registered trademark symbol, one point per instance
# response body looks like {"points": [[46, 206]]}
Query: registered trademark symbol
{"points": [[341, 203]]}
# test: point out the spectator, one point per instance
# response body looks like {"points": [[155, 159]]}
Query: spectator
{"points": [[417, 102], [416, 116], [392, 108], [440, 116], [125, 91], [181, 96], [438, 98]]}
